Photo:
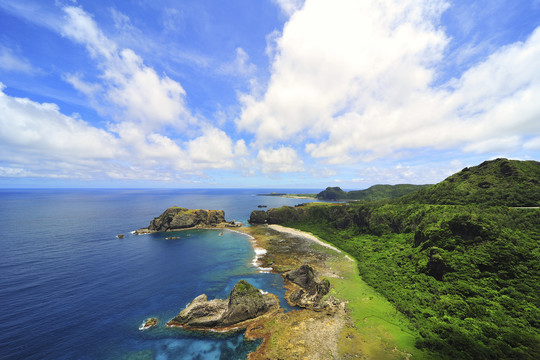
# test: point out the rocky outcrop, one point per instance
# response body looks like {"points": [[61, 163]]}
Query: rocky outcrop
{"points": [[257, 217], [177, 218], [148, 324], [306, 291], [245, 302]]}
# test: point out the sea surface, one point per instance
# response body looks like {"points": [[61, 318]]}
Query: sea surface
{"points": [[70, 289]]}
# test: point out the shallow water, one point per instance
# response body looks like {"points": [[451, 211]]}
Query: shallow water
{"points": [[69, 289]]}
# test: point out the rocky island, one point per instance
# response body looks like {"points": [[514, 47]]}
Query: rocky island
{"points": [[245, 303], [178, 218]]}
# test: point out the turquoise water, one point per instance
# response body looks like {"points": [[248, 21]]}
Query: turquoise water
{"points": [[69, 289]]}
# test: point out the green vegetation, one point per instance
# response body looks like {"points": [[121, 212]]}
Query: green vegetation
{"points": [[466, 275], [376, 192], [309, 196], [496, 182]]}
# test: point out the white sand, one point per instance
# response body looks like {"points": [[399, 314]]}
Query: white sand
{"points": [[304, 235]]}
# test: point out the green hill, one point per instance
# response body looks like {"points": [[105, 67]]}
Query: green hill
{"points": [[456, 258], [375, 192], [496, 182]]}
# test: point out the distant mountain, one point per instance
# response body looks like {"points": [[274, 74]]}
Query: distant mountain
{"points": [[495, 182], [376, 192]]}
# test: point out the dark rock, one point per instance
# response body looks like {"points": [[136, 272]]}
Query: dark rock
{"points": [[436, 267], [201, 313], [176, 218], [304, 276], [245, 302], [257, 217], [310, 291]]}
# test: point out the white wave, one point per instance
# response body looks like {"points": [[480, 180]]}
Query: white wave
{"points": [[260, 251]]}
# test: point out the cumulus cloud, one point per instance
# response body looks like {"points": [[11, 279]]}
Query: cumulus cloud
{"points": [[355, 80], [36, 139], [216, 149], [134, 91], [31, 127], [281, 160]]}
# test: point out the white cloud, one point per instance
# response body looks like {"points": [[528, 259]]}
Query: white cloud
{"points": [[289, 7], [214, 148], [28, 127], [79, 84], [280, 160], [9, 61], [134, 91], [240, 66], [172, 19], [338, 57], [36, 139], [354, 80], [533, 144]]}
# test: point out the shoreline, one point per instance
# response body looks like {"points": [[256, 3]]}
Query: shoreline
{"points": [[341, 331], [307, 236], [360, 324]]}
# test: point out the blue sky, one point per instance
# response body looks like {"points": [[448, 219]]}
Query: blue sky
{"points": [[268, 93]]}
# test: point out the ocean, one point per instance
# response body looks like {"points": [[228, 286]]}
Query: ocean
{"points": [[70, 289]]}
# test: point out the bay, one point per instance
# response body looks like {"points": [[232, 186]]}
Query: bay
{"points": [[69, 289]]}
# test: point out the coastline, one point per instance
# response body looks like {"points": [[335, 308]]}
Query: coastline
{"points": [[363, 324], [300, 333], [307, 236], [359, 323]]}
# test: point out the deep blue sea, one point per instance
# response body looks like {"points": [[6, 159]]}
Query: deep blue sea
{"points": [[70, 289]]}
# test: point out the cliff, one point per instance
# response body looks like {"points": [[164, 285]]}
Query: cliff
{"points": [[177, 218]]}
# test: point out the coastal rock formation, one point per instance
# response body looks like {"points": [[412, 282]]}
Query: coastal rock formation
{"points": [[148, 324], [177, 218], [307, 291], [257, 217], [245, 302]]}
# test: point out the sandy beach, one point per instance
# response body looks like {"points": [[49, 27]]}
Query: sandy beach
{"points": [[304, 235]]}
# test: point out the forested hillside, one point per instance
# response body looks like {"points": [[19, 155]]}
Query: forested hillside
{"points": [[375, 192], [495, 182], [466, 275]]}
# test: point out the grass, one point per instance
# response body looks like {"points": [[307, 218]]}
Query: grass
{"points": [[384, 332]]}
